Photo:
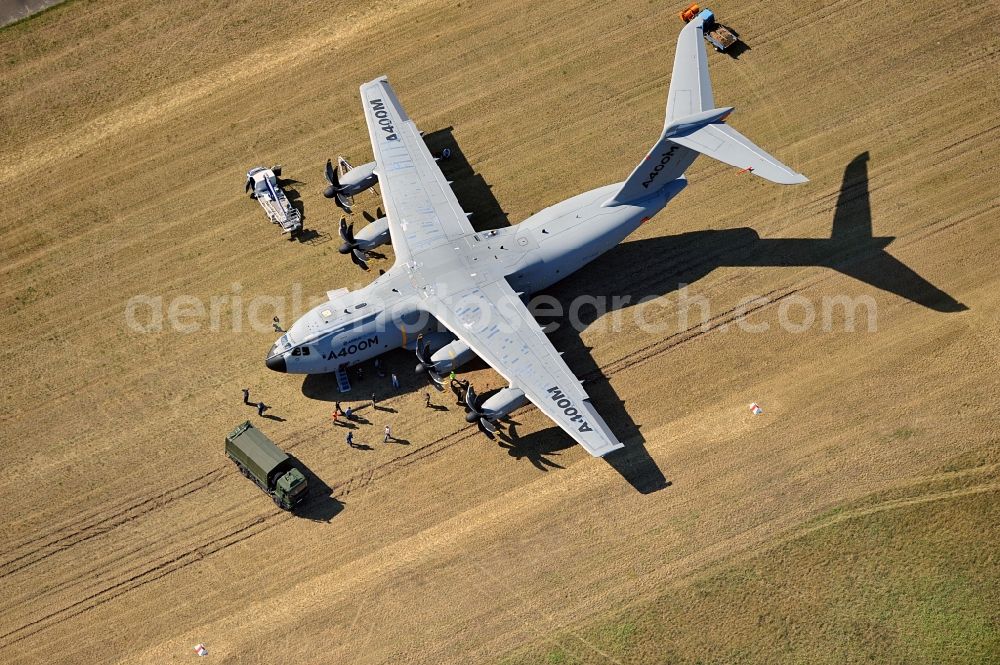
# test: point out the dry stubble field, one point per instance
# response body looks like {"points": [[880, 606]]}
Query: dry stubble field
{"points": [[855, 519]]}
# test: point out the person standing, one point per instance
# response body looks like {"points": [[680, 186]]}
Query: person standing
{"points": [[276, 324], [427, 400], [350, 438], [336, 407], [336, 414], [261, 408], [349, 414], [246, 396], [373, 401], [388, 434], [395, 382]]}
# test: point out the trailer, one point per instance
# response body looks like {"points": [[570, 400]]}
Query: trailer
{"points": [[268, 466], [716, 34], [262, 183]]}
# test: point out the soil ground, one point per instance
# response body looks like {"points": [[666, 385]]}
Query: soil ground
{"points": [[127, 128]]}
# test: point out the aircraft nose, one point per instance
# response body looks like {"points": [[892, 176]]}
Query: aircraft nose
{"points": [[276, 363]]}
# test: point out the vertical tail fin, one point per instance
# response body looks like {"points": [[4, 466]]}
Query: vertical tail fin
{"points": [[690, 84], [693, 125]]}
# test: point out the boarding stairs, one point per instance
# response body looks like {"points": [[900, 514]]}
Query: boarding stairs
{"points": [[343, 381]]}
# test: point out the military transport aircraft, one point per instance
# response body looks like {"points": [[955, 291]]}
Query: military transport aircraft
{"points": [[472, 283]]}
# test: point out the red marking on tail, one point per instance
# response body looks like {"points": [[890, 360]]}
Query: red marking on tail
{"points": [[644, 220], [748, 169]]}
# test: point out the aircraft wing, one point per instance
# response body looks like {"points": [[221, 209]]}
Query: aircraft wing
{"points": [[493, 321], [422, 210]]}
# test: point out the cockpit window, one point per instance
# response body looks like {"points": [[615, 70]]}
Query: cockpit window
{"points": [[284, 343], [305, 350]]}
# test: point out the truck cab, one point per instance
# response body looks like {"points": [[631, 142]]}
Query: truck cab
{"points": [[716, 34]]}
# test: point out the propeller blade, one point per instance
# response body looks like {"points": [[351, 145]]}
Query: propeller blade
{"points": [[378, 212], [436, 378], [359, 258], [248, 185], [485, 427], [470, 399], [344, 202], [331, 175], [345, 232], [421, 351]]}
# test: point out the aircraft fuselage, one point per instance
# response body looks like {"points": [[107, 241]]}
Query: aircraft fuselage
{"points": [[543, 249]]}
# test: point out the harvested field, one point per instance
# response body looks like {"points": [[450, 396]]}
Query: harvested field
{"points": [[127, 128]]}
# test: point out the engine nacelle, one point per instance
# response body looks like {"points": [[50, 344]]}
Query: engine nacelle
{"points": [[373, 235], [503, 403], [450, 356], [359, 178], [353, 181]]}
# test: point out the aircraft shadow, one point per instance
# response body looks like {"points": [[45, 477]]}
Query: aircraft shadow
{"points": [[472, 191], [667, 262], [321, 506], [537, 447]]}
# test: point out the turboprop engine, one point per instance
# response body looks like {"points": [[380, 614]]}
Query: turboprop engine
{"points": [[374, 234], [359, 245], [493, 409], [451, 356], [447, 358], [353, 181]]}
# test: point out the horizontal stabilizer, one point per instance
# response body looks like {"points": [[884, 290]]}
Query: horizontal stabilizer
{"points": [[727, 145]]}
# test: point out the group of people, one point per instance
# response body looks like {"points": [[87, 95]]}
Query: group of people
{"points": [[348, 414]]}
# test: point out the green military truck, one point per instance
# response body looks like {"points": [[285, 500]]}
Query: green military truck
{"points": [[267, 465]]}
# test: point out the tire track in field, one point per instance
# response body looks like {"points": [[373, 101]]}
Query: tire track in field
{"points": [[124, 562], [100, 524], [358, 481], [160, 569]]}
